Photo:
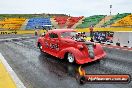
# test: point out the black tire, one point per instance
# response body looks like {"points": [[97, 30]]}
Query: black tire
{"points": [[81, 80], [40, 47]]}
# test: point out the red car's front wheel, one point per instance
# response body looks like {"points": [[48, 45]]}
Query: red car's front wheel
{"points": [[70, 58]]}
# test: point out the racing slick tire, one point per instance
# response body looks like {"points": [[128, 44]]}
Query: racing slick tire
{"points": [[70, 58], [81, 80], [40, 47]]}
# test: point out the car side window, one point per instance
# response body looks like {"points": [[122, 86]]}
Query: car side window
{"points": [[53, 35]]}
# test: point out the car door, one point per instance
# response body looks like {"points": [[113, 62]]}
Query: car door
{"points": [[47, 41], [54, 44]]}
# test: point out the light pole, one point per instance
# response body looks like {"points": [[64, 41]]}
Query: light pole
{"points": [[110, 9]]}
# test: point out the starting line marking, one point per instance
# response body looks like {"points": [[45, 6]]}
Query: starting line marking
{"points": [[13, 75]]}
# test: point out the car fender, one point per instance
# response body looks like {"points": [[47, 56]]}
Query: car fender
{"points": [[41, 41], [100, 50], [76, 52]]}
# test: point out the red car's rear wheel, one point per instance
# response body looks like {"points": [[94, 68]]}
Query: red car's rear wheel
{"points": [[40, 47]]}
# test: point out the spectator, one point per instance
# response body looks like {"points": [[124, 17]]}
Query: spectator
{"points": [[36, 33], [91, 33]]}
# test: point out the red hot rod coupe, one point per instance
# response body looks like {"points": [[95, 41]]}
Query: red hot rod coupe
{"points": [[65, 43]]}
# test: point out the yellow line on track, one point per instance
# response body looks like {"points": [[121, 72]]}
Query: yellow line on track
{"points": [[5, 78]]}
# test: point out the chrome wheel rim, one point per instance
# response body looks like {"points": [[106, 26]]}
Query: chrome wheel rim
{"points": [[40, 46], [70, 58]]}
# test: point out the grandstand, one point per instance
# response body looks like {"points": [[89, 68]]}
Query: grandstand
{"points": [[105, 19], [23, 27], [78, 23], [92, 20], [66, 22], [115, 18], [72, 20], [61, 20], [43, 15], [12, 23], [124, 22], [54, 23], [37, 23]]}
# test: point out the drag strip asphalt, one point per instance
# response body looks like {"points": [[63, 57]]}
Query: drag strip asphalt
{"points": [[38, 70]]}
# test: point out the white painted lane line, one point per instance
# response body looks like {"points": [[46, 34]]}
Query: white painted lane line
{"points": [[121, 48], [124, 49], [14, 76], [110, 47], [118, 48]]}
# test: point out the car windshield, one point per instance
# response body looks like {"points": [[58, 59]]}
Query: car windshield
{"points": [[68, 34]]}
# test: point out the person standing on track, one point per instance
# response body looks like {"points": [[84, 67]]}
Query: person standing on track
{"points": [[36, 33], [91, 33]]}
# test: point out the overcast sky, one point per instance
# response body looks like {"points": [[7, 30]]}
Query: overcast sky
{"points": [[72, 7]]}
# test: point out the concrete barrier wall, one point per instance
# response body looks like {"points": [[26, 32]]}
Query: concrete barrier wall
{"points": [[106, 29], [79, 30], [121, 35], [21, 32], [130, 39], [123, 38]]}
